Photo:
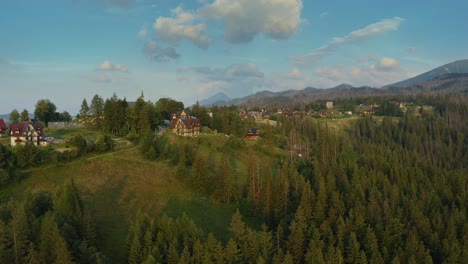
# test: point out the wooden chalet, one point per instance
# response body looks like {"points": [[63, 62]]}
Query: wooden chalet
{"points": [[185, 125], [26, 132]]}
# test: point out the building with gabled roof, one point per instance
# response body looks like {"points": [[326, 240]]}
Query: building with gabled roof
{"points": [[26, 132], [185, 125]]}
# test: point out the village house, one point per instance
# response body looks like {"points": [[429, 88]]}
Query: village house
{"points": [[252, 134], [185, 125], [27, 132], [329, 105], [3, 127]]}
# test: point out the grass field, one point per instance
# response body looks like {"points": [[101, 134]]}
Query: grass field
{"points": [[115, 186], [5, 141], [69, 132]]}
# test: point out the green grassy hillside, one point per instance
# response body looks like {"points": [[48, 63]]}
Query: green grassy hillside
{"points": [[115, 186]]}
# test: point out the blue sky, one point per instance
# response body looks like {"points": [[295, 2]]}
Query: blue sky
{"points": [[67, 50]]}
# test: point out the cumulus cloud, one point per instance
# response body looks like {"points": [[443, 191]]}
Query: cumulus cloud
{"points": [[244, 19], [295, 73], [143, 32], [386, 64], [182, 25], [111, 67], [234, 72], [367, 32], [158, 53], [236, 79], [385, 71], [210, 86]]}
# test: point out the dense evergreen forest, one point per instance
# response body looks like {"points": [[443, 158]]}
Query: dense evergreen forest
{"points": [[388, 188]]}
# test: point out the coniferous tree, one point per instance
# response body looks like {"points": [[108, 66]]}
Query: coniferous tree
{"points": [[84, 111], [62, 255], [5, 245], [20, 233], [25, 115], [199, 176], [14, 116], [32, 257], [96, 110], [224, 189]]}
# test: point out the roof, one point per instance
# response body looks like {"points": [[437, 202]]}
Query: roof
{"points": [[3, 126], [189, 121], [21, 128]]}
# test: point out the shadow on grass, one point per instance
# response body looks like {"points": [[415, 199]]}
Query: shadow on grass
{"points": [[111, 220], [210, 217]]}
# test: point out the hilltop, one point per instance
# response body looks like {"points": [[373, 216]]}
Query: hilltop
{"points": [[456, 67]]}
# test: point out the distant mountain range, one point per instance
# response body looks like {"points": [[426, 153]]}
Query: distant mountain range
{"points": [[457, 67], [449, 78], [218, 98], [6, 117]]}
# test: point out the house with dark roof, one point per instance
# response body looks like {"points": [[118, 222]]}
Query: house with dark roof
{"points": [[3, 127], [185, 125], [252, 134], [26, 132]]}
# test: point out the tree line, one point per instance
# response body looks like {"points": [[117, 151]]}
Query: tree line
{"points": [[390, 191]]}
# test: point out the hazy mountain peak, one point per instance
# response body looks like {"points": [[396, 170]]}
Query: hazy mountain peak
{"points": [[219, 97], [459, 66]]}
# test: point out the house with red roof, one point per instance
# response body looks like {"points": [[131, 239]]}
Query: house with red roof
{"points": [[26, 132], [3, 127], [185, 125]]}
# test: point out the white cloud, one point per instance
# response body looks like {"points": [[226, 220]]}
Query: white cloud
{"points": [[143, 32], [386, 64], [324, 14], [234, 72], [181, 26], [295, 73], [367, 32], [331, 73], [383, 72], [158, 53], [209, 86], [235, 79], [109, 66], [244, 19]]}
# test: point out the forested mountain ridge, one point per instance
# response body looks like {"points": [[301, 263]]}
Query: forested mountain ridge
{"points": [[449, 78], [382, 189]]}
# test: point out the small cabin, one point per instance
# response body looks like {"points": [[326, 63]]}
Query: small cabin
{"points": [[252, 134]]}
